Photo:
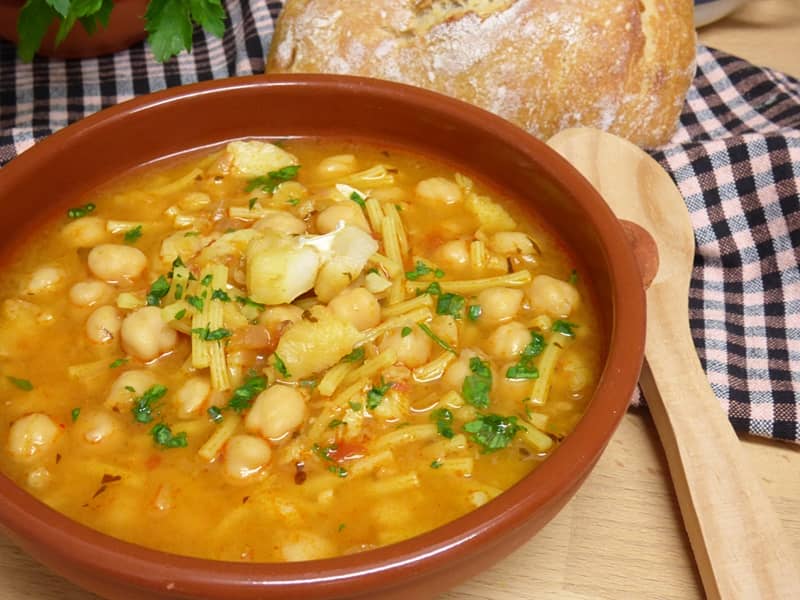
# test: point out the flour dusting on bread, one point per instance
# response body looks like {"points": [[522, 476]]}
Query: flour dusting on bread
{"points": [[620, 65]]}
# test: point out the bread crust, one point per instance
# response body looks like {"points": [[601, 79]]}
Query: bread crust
{"points": [[623, 66]]}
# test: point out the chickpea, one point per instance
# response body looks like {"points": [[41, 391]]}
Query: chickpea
{"points": [[276, 412], [282, 222], [192, 396], [454, 376], [31, 436], [454, 253], [552, 296], [508, 341], [245, 456], [97, 427], [348, 213], [115, 262], [578, 374], [45, 279], [438, 190], [120, 394], [511, 243], [103, 324], [499, 304], [412, 350], [280, 313], [337, 166], [89, 293], [306, 546], [39, 478], [146, 335], [85, 232], [357, 306], [333, 278]]}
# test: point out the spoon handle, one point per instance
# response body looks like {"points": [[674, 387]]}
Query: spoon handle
{"points": [[739, 547]]}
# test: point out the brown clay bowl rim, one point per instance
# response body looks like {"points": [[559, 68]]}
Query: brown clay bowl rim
{"points": [[110, 559]]}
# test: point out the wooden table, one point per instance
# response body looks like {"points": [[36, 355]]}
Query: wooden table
{"points": [[622, 535]]}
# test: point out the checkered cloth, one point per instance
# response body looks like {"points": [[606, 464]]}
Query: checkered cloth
{"points": [[736, 159]]}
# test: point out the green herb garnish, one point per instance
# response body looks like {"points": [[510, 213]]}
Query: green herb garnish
{"points": [[162, 435], [376, 394], [280, 366], [75, 413], [244, 301], [244, 395], [212, 335], [436, 464], [474, 312], [158, 290], [563, 327], [476, 387], [334, 423], [79, 211], [443, 417], [118, 363], [143, 406], [215, 413], [450, 304], [420, 269], [326, 453], [220, 295], [405, 331], [524, 369], [179, 315], [22, 384], [436, 338], [293, 201], [356, 355], [196, 302], [132, 235], [573, 277], [251, 203], [170, 24], [273, 179], [356, 197], [206, 281], [434, 289], [337, 470], [355, 406], [493, 432]]}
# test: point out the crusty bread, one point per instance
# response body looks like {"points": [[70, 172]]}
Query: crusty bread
{"points": [[620, 65]]}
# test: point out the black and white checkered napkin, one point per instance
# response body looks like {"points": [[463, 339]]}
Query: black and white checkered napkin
{"points": [[735, 158]]}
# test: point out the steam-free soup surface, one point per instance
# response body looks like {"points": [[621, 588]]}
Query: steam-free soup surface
{"points": [[279, 352]]}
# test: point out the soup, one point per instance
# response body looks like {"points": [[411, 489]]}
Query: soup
{"points": [[288, 351]]}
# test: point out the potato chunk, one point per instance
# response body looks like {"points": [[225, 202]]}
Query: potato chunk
{"points": [[313, 345], [254, 158]]}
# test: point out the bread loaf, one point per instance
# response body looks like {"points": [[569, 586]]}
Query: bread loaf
{"points": [[619, 65]]}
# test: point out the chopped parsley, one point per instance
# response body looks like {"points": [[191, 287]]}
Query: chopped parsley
{"points": [[178, 291], [336, 423], [326, 453], [293, 201], [268, 182], [376, 394], [206, 281], [158, 290], [563, 327], [81, 211], [476, 387], [143, 406], [245, 301], [524, 369], [215, 413], [75, 413], [434, 289], [493, 432], [162, 435], [280, 366], [132, 235], [450, 304], [355, 406], [244, 395], [191, 234], [179, 315], [220, 295], [118, 363], [436, 464], [177, 263], [443, 417], [356, 355], [251, 203], [474, 312], [337, 470], [196, 302], [405, 331], [22, 384], [212, 335], [439, 341], [421, 269], [341, 526], [356, 197], [573, 277]]}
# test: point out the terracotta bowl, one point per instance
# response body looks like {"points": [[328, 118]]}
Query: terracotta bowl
{"points": [[50, 175], [125, 28]]}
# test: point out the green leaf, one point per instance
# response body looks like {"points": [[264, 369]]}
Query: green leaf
{"points": [[405, 331], [493, 432], [244, 395], [443, 418], [564, 328], [420, 269], [476, 387], [60, 6], [64, 28], [280, 366], [249, 302], [450, 304], [439, 341], [162, 435], [356, 355], [220, 295], [474, 312], [75, 413], [169, 27], [376, 394], [143, 406], [195, 302], [356, 197], [215, 413], [210, 15], [22, 384], [118, 363], [268, 182], [132, 235], [34, 20], [522, 371], [80, 211], [212, 335], [436, 464], [158, 290]]}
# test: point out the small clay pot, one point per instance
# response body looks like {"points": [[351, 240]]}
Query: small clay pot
{"points": [[125, 28]]}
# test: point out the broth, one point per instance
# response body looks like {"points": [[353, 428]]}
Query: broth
{"points": [[279, 352]]}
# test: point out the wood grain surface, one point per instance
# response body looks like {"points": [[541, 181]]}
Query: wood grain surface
{"points": [[621, 536]]}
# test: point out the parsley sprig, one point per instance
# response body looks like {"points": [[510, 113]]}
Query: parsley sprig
{"points": [[268, 182], [476, 387], [493, 432]]}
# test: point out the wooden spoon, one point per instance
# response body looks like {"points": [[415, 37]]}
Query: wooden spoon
{"points": [[739, 546]]}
